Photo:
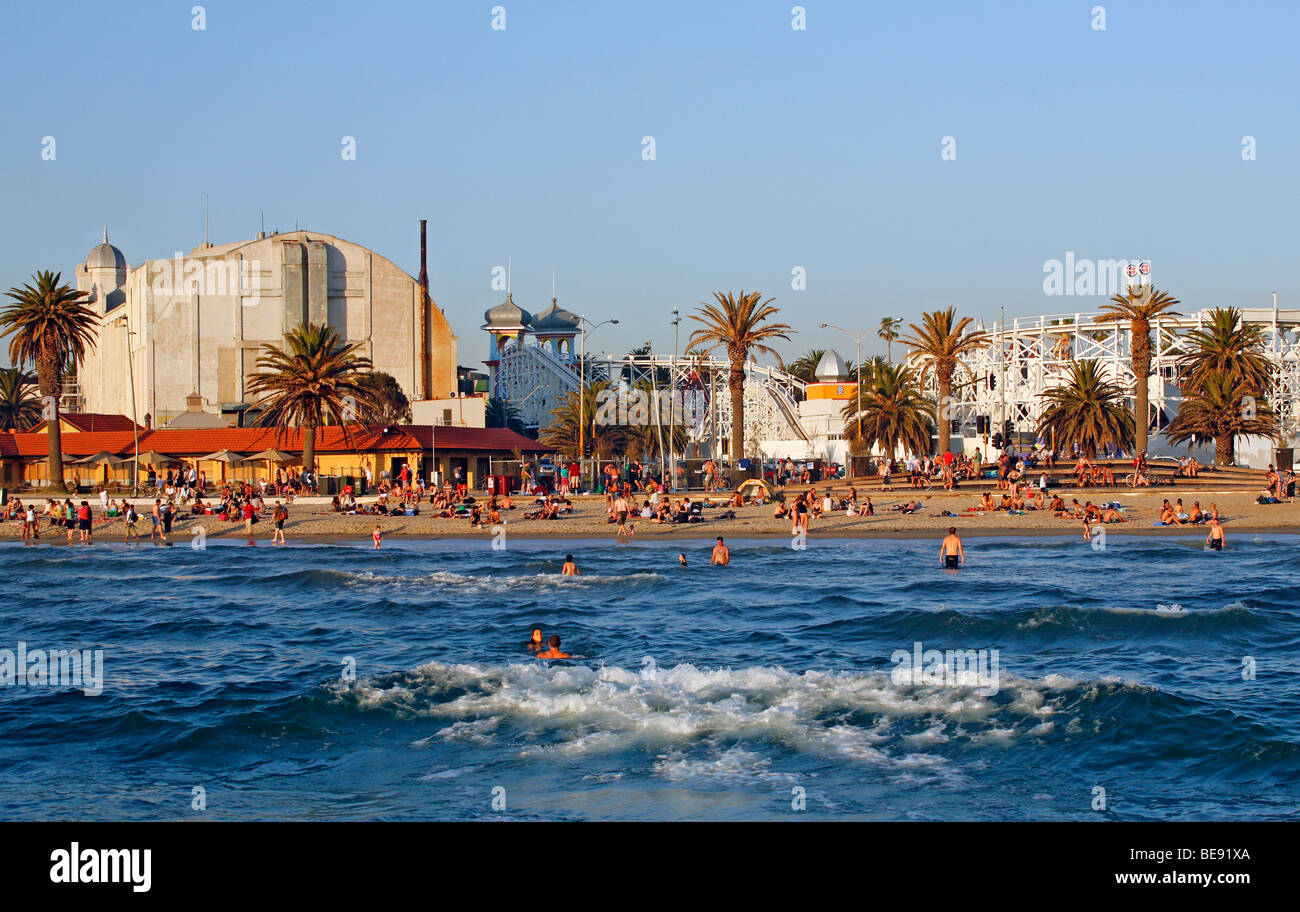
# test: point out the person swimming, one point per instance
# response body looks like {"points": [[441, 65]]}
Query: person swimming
{"points": [[681, 559], [554, 651], [570, 568], [535, 642]]}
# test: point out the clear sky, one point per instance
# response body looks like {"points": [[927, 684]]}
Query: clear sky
{"points": [[775, 148]]}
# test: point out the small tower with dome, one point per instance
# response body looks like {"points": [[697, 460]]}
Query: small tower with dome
{"points": [[103, 276]]}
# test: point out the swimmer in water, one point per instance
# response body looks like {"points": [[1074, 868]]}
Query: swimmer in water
{"points": [[554, 651], [721, 554], [1216, 539], [951, 551], [681, 559], [570, 568], [535, 640]]}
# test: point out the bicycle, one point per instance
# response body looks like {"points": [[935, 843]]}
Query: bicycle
{"points": [[1150, 480]]}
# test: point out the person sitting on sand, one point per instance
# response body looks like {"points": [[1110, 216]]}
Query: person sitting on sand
{"points": [[867, 508], [986, 503], [554, 651], [1005, 503], [780, 510], [1111, 515], [1057, 505], [1196, 517]]}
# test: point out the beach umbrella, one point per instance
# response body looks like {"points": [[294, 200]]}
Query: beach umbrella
{"points": [[104, 458], [157, 460], [273, 455], [225, 457]]}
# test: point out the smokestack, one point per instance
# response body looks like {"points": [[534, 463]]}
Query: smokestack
{"points": [[426, 364]]}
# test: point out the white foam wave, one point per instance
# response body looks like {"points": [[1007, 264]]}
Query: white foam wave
{"points": [[704, 722]]}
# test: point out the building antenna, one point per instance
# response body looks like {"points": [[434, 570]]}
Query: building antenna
{"points": [[552, 283], [206, 241], [508, 268]]}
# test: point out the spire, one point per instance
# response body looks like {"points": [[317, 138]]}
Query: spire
{"points": [[553, 284], [508, 268]]}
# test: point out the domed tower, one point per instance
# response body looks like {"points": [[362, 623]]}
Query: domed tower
{"points": [[833, 379], [506, 324], [103, 275], [557, 328]]}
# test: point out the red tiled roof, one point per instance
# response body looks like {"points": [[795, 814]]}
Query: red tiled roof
{"points": [[200, 441], [92, 421]]}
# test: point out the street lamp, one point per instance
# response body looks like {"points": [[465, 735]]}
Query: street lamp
{"points": [[135, 425], [582, 385], [858, 365], [672, 429]]}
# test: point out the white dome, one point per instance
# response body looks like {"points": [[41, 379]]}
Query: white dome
{"points": [[831, 368]]}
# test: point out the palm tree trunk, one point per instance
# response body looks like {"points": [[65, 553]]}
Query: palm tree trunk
{"points": [[49, 381], [945, 428], [736, 381], [1141, 351], [1224, 449], [309, 448]]}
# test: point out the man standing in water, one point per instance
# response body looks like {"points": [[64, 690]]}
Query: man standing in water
{"points": [[721, 554], [951, 552], [1216, 539], [570, 567]]}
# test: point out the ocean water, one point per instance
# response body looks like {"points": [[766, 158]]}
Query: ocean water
{"points": [[332, 681]]}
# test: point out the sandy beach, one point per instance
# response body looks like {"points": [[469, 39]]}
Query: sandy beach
{"points": [[311, 517]]}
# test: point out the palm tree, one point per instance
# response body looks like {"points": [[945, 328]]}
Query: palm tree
{"points": [[895, 413], [607, 437], [889, 332], [391, 404], [316, 378], [805, 366], [939, 344], [735, 323], [501, 413], [52, 328], [1220, 407], [1229, 345], [1088, 410], [19, 409], [1139, 305]]}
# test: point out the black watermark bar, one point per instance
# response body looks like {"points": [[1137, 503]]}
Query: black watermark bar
{"points": [[333, 861]]}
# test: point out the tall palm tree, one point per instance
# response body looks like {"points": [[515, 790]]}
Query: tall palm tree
{"points": [[805, 366], [736, 323], [1229, 345], [607, 437], [501, 413], [1140, 305], [391, 404], [314, 379], [1218, 408], [939, 345], [895, 413], [1088, 410], [52, 328], [19, 408], [889, 332]]}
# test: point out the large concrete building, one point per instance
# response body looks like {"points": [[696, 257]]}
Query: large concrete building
{"points": [[187, 331]]}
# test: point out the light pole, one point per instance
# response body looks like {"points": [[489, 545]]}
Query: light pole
{"points": [[858, 364], [582, 386], [135, 425], [672, 430]]}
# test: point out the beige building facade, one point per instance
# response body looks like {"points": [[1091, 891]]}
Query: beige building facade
{"points": [[197, 322]]}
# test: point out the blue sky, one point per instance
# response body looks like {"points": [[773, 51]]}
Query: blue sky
{"points": [[775, 148]]}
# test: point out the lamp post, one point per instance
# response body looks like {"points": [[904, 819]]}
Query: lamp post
{"points": [[582, 384], [672, 406], [135, 425], [858, 365]]}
